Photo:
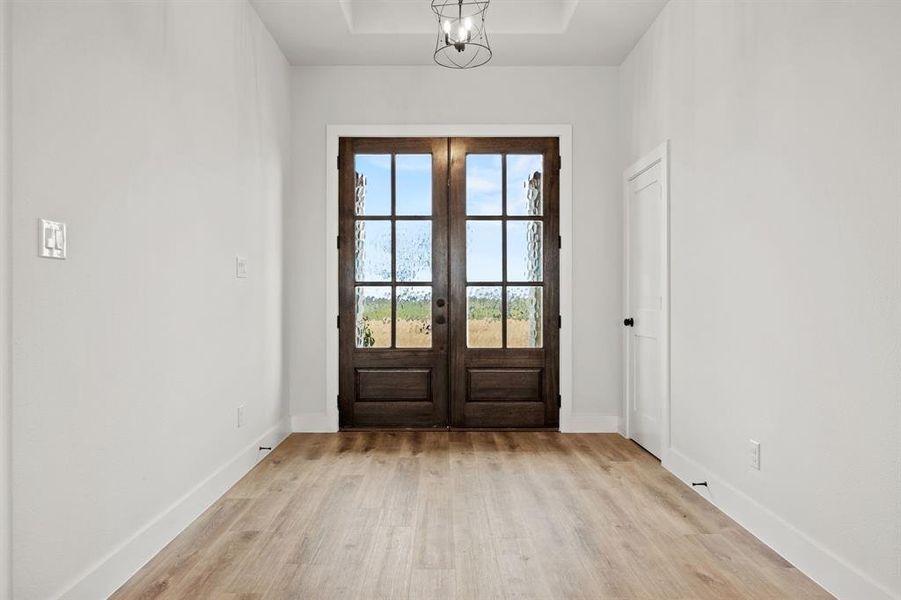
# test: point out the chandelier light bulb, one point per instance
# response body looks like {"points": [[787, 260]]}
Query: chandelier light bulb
{"points": [[462, 39]]}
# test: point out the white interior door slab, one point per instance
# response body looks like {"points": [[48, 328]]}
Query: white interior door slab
{"points": [[646, 302]]}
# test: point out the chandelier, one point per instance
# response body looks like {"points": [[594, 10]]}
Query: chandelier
{"points": [[462, 39]]}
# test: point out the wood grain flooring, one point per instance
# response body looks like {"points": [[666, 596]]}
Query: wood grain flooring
{"points": [[464, 516]]}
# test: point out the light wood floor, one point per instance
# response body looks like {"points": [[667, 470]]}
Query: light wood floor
{"points": [[439, 516]]}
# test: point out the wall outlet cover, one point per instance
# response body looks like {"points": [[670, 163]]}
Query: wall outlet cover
{"points": [[240, 267], [755, 454]]}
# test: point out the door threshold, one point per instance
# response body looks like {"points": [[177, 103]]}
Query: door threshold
{"points": [[446, 429]]}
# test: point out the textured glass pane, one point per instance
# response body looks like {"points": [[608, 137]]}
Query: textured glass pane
{"points": [[483, 184], [414, 317], [414, 250], [483, 317], [524, 184], [524, 317], [413, 177], [372, 250], [373, 184], [484, 253], [373, 317], [524, 239]]}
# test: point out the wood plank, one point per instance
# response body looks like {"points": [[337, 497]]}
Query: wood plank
{"points": [[465, 516]]}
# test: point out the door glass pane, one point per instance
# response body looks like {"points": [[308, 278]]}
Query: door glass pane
{"points": [[414, 250], [524, 184], [413, 177], [373, 317], [524, 316], [483, 317], [524, 245], [483, 184], [372, 250], [484, 252], [372, 182], [414, 317]]}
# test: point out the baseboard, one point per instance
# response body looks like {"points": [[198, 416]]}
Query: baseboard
{"points": [[312, 423], [109, 573], [590, 423], [833, 573]]}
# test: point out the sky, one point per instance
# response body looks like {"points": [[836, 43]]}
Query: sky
{"points": [[484, 192]]}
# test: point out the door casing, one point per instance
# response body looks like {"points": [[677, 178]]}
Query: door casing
{"points": [[327, 419], [660, 155]]}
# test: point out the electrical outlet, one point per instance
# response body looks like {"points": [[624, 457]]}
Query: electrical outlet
{"points": [[240, 416], [755, 455]]}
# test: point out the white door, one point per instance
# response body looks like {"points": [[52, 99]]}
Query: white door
{"points": [[646, 302]]}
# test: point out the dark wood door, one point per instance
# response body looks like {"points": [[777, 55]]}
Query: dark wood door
{"points": [[448, 258], [504, 269], [393, 277]]}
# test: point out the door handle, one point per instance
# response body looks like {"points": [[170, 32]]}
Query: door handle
{"points": [[630, 322], [439, 302], [440, 319]]}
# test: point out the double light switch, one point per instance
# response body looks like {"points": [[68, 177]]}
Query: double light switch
{"points": [[51, 239]]}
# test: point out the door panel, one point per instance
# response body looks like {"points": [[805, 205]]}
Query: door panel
{"points": [[504, 282], [392, 260], [448, 259], [646, 273], [505, 385]]}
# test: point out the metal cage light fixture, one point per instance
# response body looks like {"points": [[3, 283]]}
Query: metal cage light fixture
{"points": [[462, 39]]}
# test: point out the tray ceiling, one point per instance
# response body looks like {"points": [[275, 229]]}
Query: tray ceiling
{"points": [[403, 32]]}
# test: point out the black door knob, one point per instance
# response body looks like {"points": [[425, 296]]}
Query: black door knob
{"points": [[439, 302], [440, 319], [629, 322]]}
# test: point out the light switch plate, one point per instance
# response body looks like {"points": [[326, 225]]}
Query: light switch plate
{"points": [[52, 239], [240, 267]]}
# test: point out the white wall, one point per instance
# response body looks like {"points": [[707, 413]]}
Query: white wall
{"points": [[786, 268], [585, 97], [5, 342], [159, 131]]}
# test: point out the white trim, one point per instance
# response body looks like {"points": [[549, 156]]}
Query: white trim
{"points": [[5, 306], [832, 572], [659, 155], [563, 132], [109, 573], [312, 423], [591, 423]]}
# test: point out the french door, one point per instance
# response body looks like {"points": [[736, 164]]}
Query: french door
{"points": [[448, 276]]}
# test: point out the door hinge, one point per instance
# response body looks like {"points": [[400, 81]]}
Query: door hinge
{"points": [[338, 162], [559, 321], [339, 242], [559, 162], [559, 241], [338, 321], [559, 401], [338, 400]]}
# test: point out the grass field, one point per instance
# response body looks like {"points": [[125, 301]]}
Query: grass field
{"points": [[483, 333]]}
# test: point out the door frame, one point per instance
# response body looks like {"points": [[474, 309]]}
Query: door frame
{"points": [[333, 132], [659, 155]]}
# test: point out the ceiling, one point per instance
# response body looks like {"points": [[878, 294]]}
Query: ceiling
{"points": [[403, 32]]}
